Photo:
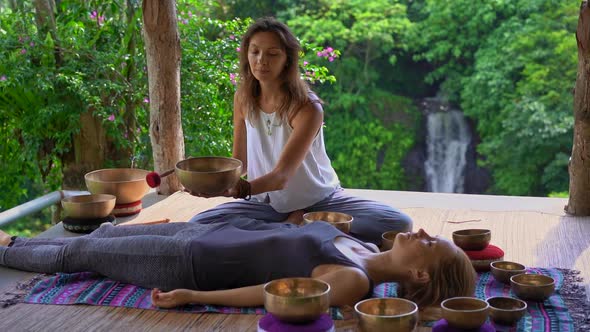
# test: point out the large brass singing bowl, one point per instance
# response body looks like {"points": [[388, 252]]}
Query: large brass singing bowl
{"points": [[465, 312], [503, 270], [92, 206], [532, 287], [386, 314], [209, 175], [341, 221], [472, 239], [506, 310], [127, 184], [296, 300]]}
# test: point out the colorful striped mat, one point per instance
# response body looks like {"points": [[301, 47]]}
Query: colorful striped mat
{"points": [[89, 288]]}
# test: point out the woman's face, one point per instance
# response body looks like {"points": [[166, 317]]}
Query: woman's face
{"points": [[266, 56], [421, 250]]}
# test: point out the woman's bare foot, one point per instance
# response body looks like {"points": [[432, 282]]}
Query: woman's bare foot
{"points": [[295, 217], [5, 239]]}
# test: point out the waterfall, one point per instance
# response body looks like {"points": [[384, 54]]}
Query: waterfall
{"points": [[447, 140]]}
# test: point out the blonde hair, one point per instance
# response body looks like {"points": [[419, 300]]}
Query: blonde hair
{"points": [[451, 277], [296, 91]]}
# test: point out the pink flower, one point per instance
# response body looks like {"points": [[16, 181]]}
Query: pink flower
{"points": [[185, 21], [190, 14], [111, 117], [233, 78], [237, 49], [93, 15], [23, 51], [305, 63], [331, 59], [232, 37], [32, 44], [320, 54], [329, 49], [3, 78], [146, 100]]}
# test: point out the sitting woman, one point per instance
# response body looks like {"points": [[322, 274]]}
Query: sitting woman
{"points": [[224, 264]]}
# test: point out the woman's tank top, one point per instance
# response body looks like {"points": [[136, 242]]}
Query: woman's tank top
{"points": [[313, 181]]}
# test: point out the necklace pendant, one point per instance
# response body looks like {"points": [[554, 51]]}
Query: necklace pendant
{"points": [[268, 128]]}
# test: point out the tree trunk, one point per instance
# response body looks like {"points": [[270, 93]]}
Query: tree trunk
{"points": [[162, 49], [579, 165], [88, 151]]}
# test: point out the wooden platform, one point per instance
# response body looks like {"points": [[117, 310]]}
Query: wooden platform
{"points": [[533, 231]]}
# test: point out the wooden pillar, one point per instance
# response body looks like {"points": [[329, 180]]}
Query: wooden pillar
{"points": [[162, 49], [579, 165]]}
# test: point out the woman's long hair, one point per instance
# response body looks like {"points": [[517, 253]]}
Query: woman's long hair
{"points": [[296, 91], [451, 277]]}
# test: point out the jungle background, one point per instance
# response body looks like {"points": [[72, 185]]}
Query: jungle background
{"points": [[508, 66]]}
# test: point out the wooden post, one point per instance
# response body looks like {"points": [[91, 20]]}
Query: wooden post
{"points": [[162, 49], [579, 165]]}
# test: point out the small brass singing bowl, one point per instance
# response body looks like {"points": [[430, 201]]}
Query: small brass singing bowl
{"points": [[387, 239], [465, 312], [386, 314], [532, 287], [472, 239], [341, 221], [93, 206], [503, 270], [296, 300], [506, 310]]}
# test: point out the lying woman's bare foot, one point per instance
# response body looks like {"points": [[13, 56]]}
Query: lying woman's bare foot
{"points": [[295, 217], [5, 239]]}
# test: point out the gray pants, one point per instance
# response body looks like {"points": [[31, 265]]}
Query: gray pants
{"points": [[149, 256], [371, 219]]}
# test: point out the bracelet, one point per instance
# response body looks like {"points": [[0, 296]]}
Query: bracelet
{"points": [[244, 190]]}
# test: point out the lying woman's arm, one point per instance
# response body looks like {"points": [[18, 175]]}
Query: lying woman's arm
{"points": [[347, 286], [238, 297]]}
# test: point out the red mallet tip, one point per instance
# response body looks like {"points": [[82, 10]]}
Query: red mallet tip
{"points": [[153, 179]]}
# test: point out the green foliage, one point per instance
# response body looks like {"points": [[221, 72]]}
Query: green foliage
{"points": [[365, 154], [522, 101]]}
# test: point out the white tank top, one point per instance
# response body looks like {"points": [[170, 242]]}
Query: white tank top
{"points": [[313, 181]]}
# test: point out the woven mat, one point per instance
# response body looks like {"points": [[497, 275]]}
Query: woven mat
{"points": [[566, 310]]}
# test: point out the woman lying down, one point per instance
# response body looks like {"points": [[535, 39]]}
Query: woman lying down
{"points": [[228, 263]]}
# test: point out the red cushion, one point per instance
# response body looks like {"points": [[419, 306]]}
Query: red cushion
{"points": [[481, 259]]}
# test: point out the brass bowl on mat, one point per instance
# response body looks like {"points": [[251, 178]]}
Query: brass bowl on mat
{"points": [[506, 310], [533, 287], [465, 312], [209, 175], [503, 270], [342, 221], [387, 239], [472, 239], [386, 314], [127, 184], [296, 300], [92, 206]]}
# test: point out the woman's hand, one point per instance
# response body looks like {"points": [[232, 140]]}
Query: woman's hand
{"points": [[175, 298]]}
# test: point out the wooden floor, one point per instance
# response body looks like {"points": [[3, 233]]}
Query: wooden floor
{"points": [[532, 231]]}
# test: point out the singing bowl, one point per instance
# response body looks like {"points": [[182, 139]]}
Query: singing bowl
{"points": [[472, 239], [387, 239], [91, 206], [127, 184], [506, 310], [386, 314], [341, 221], [465, 312], [296, 300], [503, 270], [209, 175], [532, 287]]}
